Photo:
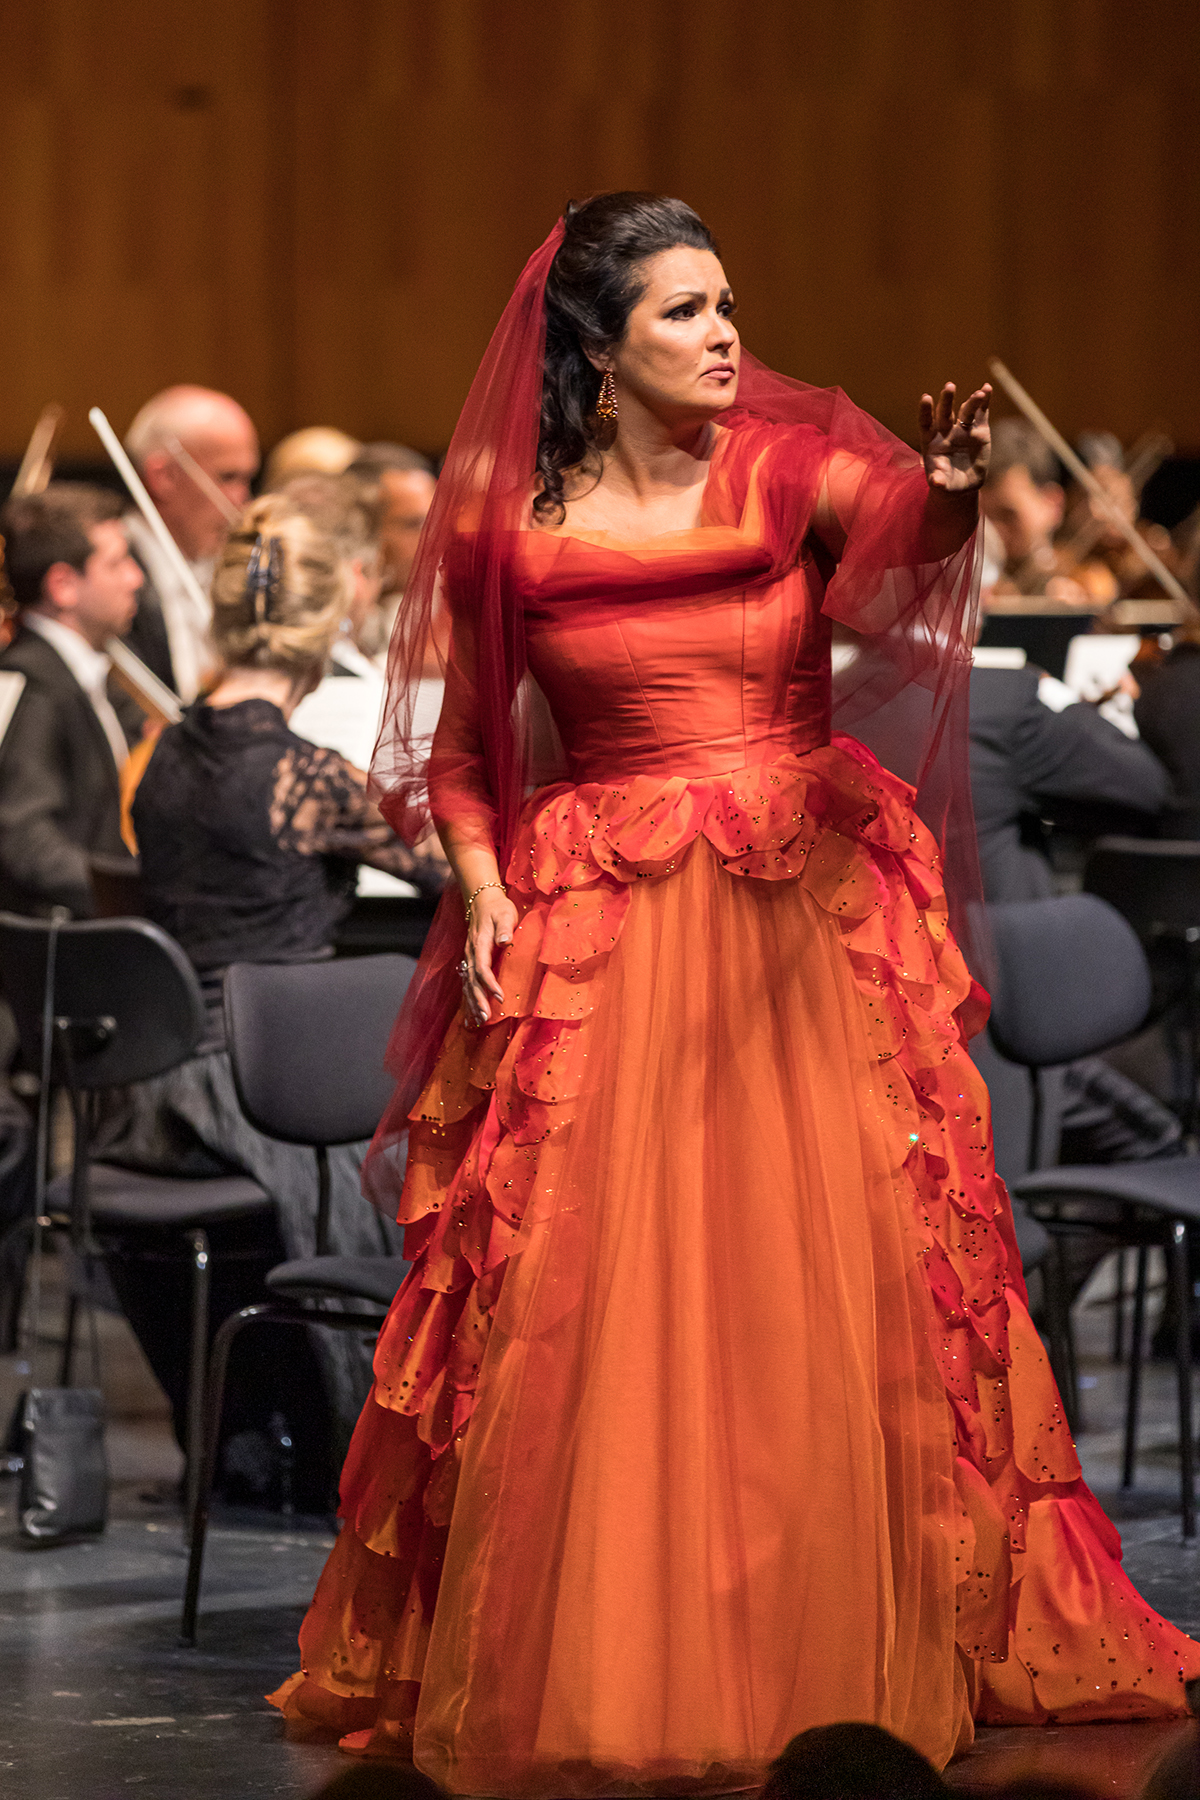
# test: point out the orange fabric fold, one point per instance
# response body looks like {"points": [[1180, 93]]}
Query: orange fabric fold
{"points": [[711, 1408]]}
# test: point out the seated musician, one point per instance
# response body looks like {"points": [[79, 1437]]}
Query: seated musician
{"points": [[1090, 548], [1022, 504], [170, 632], [343, 711], [74, 584], [249, 838]]}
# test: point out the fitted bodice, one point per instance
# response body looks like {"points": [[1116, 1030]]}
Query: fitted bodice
{"points": [[684, 685], [710, 654]]}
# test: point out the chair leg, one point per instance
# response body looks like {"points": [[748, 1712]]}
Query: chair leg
{"points": [[268, 1312], [1058, 1321], [214, 1403], [68, 1352], [198, 1354], [1118, 1337], [1183, 1364], [1137, 1337]]}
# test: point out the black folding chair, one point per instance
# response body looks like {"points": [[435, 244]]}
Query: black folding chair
{"points": [[1072, 981], [127, 1007], [1155, 884], [307, 1043]]}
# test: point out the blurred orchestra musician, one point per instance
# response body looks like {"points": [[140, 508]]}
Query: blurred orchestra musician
{"points": [[343, 711], [74, 584], [1091, 550], [406, 487], [1022, 502], [314, 450], [250, 838], [1167, 711], [346, 511], [184, 426]]}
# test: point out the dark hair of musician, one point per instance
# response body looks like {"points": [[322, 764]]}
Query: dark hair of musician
{"points": [[591, 290], [40, 530]]}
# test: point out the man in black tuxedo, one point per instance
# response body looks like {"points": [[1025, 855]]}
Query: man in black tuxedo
{"points": [[1034, 758], [61, 744]]}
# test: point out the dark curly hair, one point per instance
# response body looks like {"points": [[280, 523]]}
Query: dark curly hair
{"points": [[591, 290]]}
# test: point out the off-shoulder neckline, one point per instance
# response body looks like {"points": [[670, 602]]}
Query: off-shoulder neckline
{"points": [[725, 436]]}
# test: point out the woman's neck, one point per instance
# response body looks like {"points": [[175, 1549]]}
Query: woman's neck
{"points": [[652, 480], [650, 458], [275, 685]]}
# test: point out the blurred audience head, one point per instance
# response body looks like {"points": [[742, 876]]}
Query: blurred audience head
{"points": [[287, 615], [347, 511], [406, 485], [314, 450], [218, 435], [66, 557], [381, 1781], [1022, 497], [852, 1762]]}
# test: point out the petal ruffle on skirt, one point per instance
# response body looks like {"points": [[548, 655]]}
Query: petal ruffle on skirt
{"points": [[711, 1408]]}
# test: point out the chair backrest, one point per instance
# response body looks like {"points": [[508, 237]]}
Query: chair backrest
{"points": [[128, 989], [307, 1043], [1153, 882], [1071, 979]]}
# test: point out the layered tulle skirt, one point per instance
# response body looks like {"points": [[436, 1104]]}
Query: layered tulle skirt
{"points": [[711, 1409]]}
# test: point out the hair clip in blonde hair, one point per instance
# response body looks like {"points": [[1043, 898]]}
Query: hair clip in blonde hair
{"points": [[262, 576]]}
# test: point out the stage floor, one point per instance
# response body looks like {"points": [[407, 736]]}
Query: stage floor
{"points": [[102, 1701]]}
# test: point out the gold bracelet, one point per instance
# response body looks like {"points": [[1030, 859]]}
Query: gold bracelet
{"points": [[480, 888]]}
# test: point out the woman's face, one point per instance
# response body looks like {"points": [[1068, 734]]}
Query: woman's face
{"points": [[680, 352]]}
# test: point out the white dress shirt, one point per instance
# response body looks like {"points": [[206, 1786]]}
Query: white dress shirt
{"points": [[90, 669], [188, 625]]}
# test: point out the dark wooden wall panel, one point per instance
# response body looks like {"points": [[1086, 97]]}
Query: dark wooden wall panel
{"points": [[323, 208]]}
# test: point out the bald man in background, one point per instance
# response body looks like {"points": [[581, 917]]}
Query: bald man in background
{"points": [[170, 632]]}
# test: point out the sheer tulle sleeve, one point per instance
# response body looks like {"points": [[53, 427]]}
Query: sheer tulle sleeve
{"points": [[904, 690], [902, 684]]}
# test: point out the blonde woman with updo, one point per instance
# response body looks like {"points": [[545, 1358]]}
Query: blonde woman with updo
{"points": [[250, 838]]}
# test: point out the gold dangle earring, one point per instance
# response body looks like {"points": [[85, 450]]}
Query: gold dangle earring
{"points": [[606, 405]]}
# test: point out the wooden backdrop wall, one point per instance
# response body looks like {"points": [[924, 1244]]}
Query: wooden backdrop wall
{"points": [[322, 208]]}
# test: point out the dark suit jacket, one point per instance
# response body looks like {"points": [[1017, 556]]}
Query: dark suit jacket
{"points": [[1028, 763], [59, 791], [147, 636], [1168, 716]]}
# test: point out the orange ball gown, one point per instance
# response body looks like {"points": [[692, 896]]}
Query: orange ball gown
{"points": [[711, 1408]]}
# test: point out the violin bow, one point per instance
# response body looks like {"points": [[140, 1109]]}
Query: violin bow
{"points": [[147, 508], [37, 464], [203, 480], [1086, 479]]}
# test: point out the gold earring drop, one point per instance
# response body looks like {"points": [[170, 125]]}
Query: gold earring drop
{"points": [[606, 405]]}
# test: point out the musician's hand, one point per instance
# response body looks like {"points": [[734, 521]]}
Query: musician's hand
{"points": [[955, 443]]}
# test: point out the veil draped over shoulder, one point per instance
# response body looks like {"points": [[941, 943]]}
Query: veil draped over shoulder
{"points": [[902, 689]]}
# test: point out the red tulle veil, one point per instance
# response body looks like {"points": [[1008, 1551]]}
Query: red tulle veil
{"points": [[904, 692]]}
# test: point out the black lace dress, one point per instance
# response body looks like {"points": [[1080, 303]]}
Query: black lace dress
{"points": [[250, 838]]}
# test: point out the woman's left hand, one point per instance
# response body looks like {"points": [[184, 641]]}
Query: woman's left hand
{"points": [[955, 443]]}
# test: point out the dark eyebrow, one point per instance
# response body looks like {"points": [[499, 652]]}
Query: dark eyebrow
{"points": [[695, 294]]}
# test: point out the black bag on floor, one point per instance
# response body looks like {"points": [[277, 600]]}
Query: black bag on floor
{"points": [[64, 1472]]}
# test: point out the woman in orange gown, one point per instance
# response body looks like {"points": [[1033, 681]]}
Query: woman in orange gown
{"points": [[711, 1408]]}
